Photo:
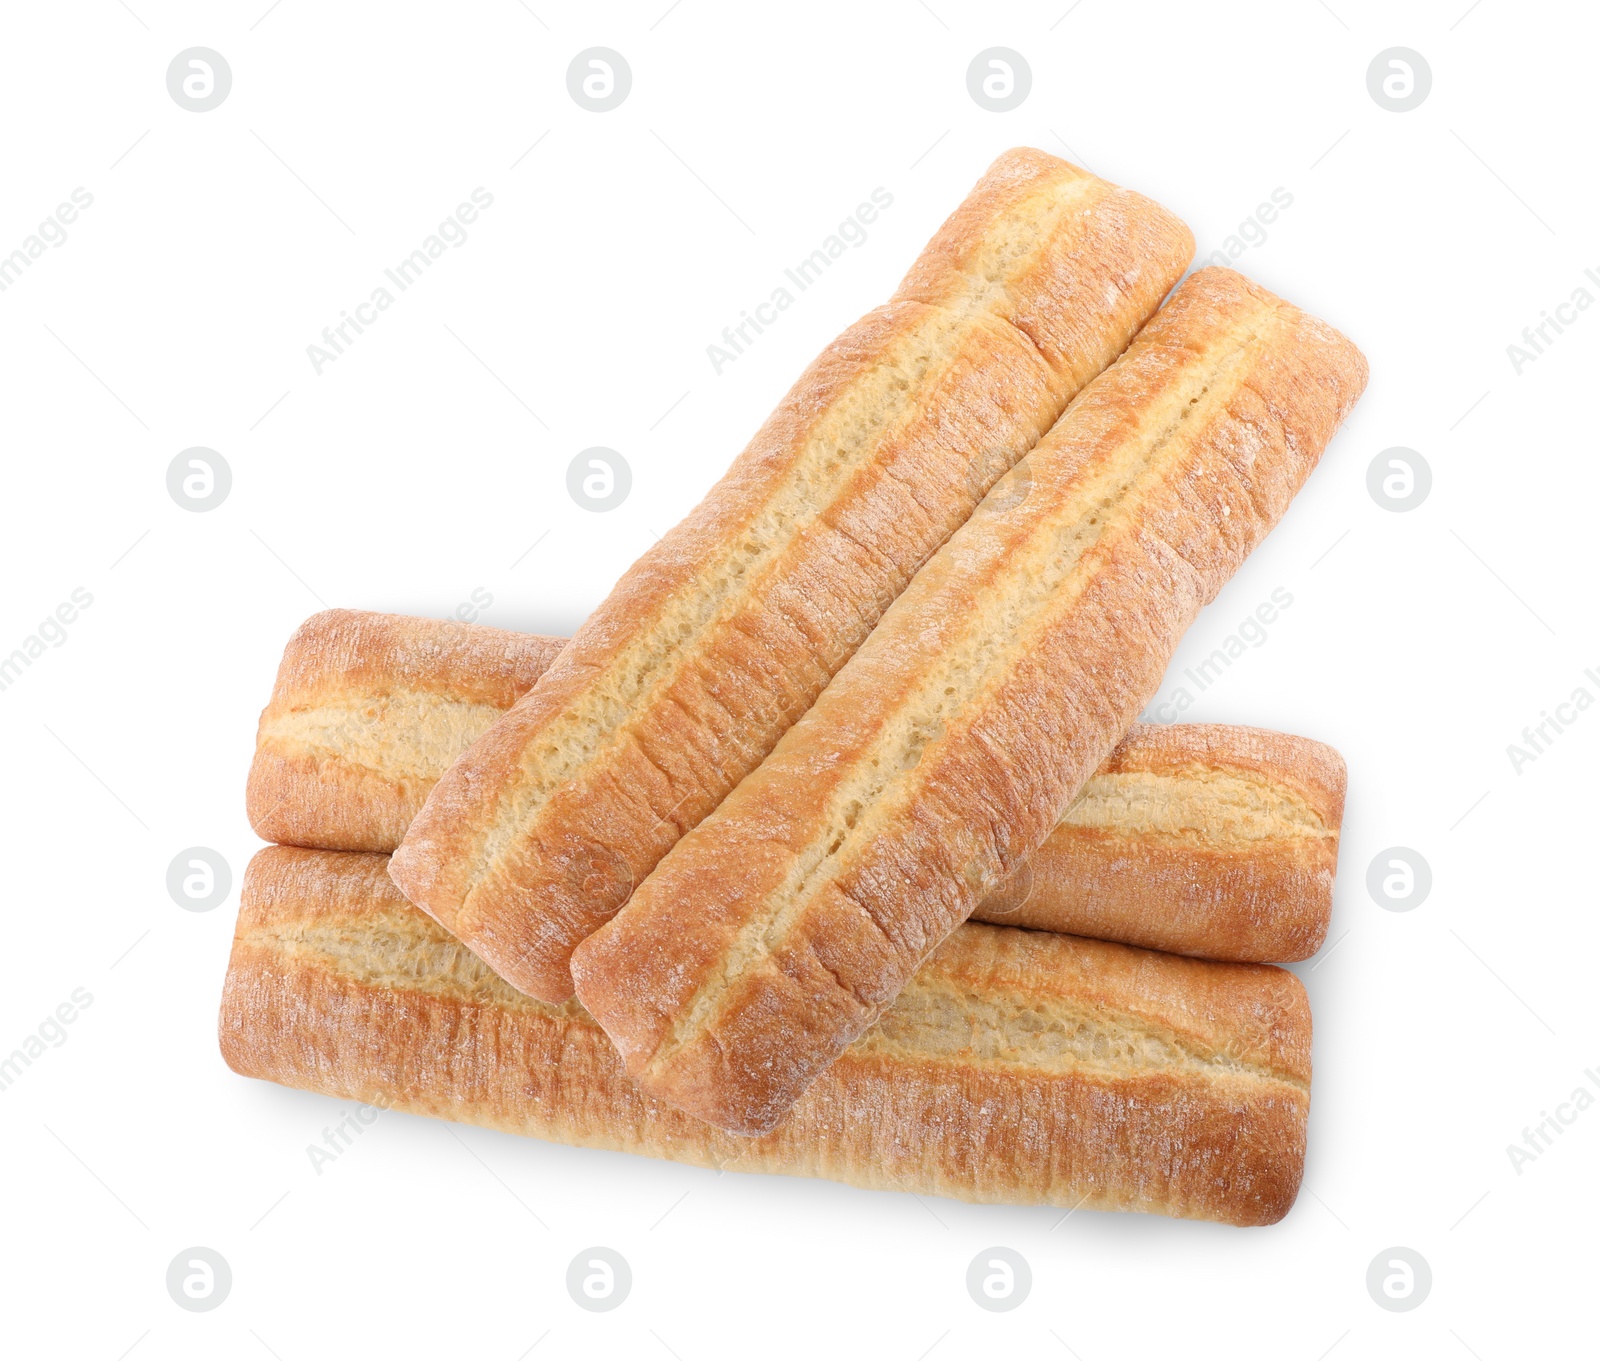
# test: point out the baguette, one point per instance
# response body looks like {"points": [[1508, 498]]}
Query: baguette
{"points": [[1018, 1068], [367, 712], [715, 641], [943, 754], [1200, 839]]}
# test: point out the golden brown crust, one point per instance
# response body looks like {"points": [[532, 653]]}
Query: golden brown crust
{"points": [[724, 632], [367, 712], [942, 755], [1019, 1067], [1202, 839]]}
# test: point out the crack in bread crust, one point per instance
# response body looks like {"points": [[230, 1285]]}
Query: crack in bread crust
{"points": [[403, 735], [394, 949], [932, 1020], [1203, 803]]}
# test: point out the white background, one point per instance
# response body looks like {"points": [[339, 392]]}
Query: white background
{"points": [[426, 461]]}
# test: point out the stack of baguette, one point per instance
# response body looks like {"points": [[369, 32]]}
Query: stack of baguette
{"points": [[830, 845]]}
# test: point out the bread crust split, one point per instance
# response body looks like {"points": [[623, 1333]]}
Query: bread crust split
{"points": [[715, 641], [1201, 839], [1019, 1067], [946, 750]]}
